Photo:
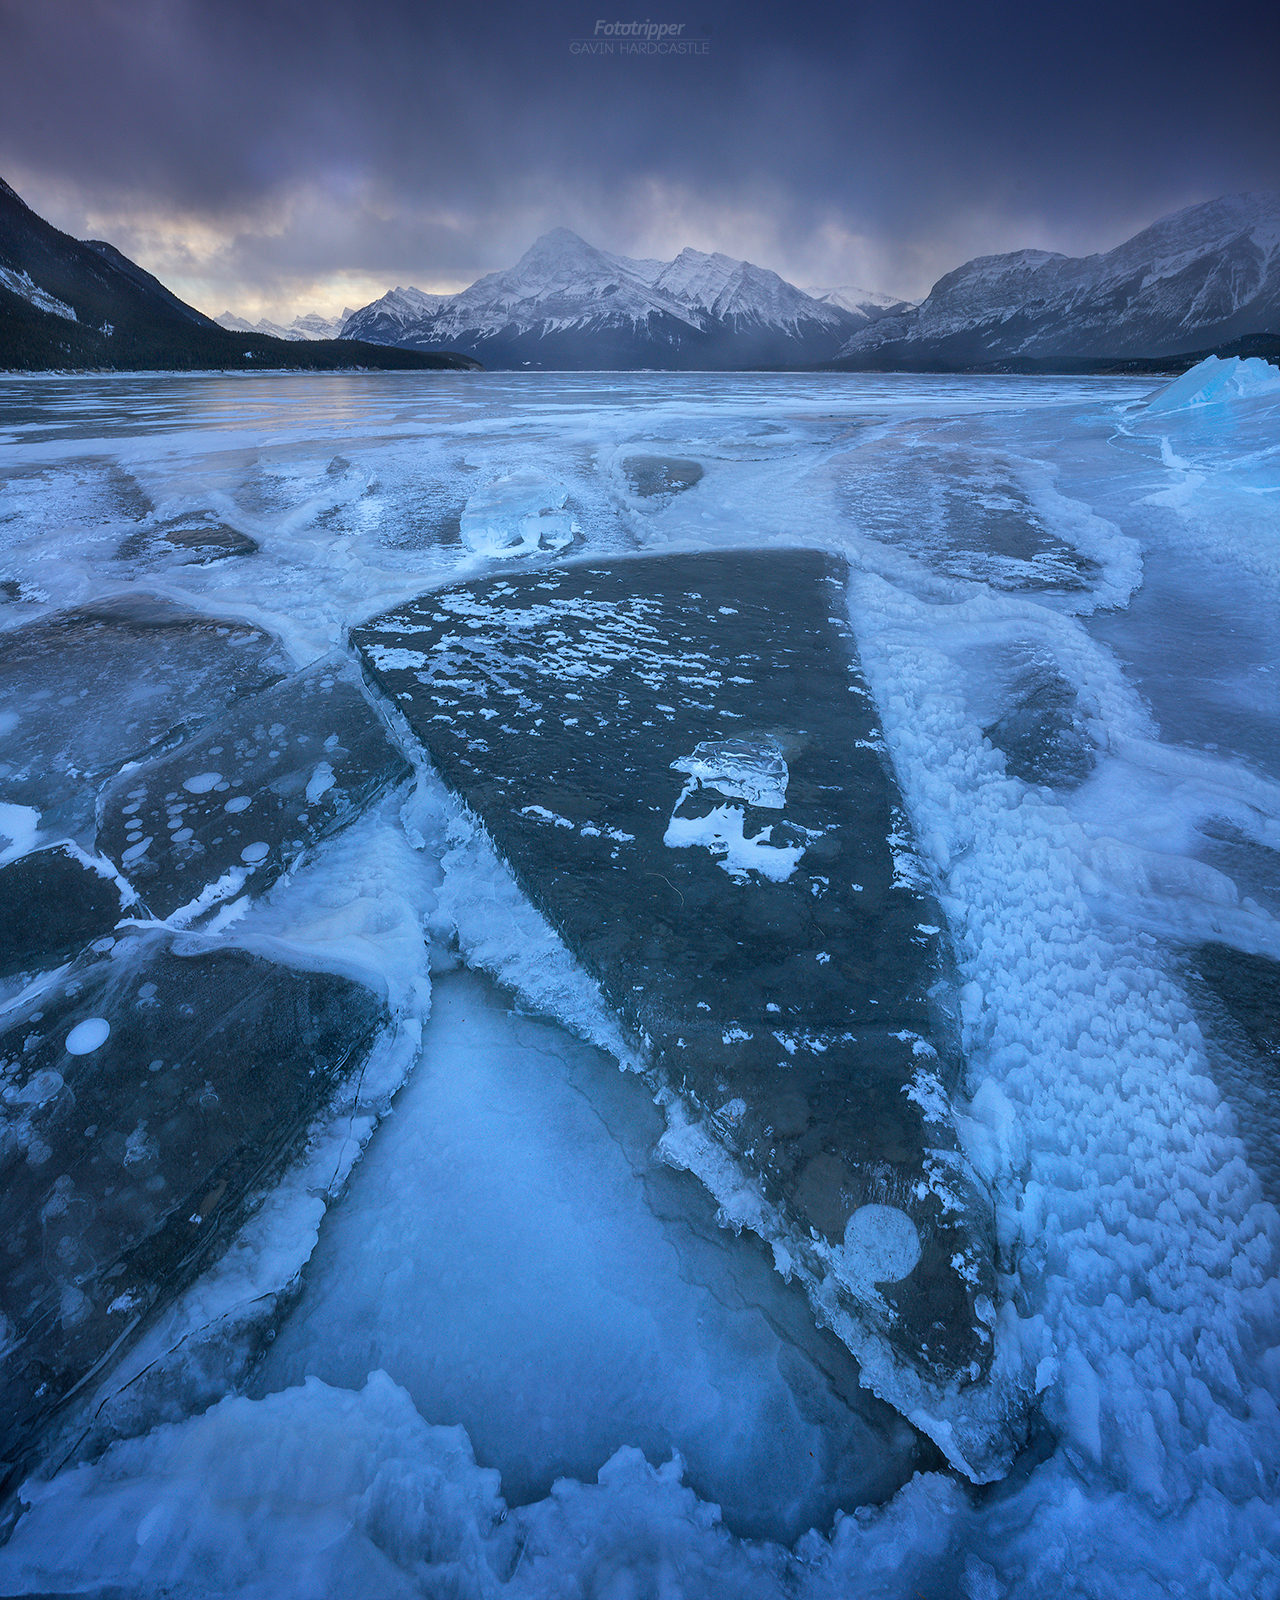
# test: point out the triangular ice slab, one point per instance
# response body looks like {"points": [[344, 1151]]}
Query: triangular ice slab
{"points": [[680, 760]]}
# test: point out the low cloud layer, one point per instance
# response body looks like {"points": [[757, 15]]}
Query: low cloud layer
{"points": [[279, 157]]}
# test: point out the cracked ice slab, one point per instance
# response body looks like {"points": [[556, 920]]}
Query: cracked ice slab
{"points": [[55, 901], [84, 691], [783, 971], [148, 1097], [231, 809]]}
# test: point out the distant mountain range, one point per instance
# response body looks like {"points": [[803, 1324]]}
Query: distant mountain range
{"points": [[311, 326], [68, 303], [1205, 279], [1202, 278], [566, 304]]}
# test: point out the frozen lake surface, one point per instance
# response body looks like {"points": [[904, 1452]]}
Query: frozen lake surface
{"points": [[490, 1331]]}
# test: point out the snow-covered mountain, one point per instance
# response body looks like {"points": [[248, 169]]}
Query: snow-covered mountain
{"points": [[567, 304], [868, 304], [310, 326], [1199, 278]]}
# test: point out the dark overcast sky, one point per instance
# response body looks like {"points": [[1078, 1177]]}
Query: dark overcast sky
{"points": [[272, 155]]}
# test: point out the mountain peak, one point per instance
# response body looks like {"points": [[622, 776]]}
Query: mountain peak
{"points": [[561, 236], [565, 301]]}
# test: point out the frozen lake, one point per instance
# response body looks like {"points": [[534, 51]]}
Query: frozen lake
{"points": [[504, 1324]]}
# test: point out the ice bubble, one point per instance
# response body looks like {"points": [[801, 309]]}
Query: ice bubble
{"points": [[253, 853], [87, 1035], [202, 782], [41, 1089], [241, 802], [881, 1245], [322, 780]]}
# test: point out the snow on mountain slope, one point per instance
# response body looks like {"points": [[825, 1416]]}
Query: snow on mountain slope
{"points": [[1204, 275], [723, 287], [561, 281], [867, 303], [567, 303], [310, 326], [20, 283]]}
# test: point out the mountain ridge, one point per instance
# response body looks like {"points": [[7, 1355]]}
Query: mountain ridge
{"points": [[1202, 276], [71, 303], [566, 303]]}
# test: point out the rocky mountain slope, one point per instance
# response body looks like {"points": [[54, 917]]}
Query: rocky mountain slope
{"points": [[68, 303], [566, 304], [1201, 278]]}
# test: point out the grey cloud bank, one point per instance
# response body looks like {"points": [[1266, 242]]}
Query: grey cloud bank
{"points": [[277, 159]]}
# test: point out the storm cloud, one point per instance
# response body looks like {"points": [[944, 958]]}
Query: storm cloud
{"points": [[285, 156]]}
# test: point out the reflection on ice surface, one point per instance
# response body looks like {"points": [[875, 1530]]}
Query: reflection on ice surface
{"points": [[1064, 605]]}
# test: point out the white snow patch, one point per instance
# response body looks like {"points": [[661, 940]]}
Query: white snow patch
{"points": [[20, 825], [721, 832], [20, 283]]}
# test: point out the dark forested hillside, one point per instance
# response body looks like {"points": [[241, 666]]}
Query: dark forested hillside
{"points": [[68, 303]]}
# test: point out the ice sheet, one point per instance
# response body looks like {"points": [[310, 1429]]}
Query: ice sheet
{"points": [[990, 522], [815, 1003]]}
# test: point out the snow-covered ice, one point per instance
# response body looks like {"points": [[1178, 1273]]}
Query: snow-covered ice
{"points": [[1064, 600]]}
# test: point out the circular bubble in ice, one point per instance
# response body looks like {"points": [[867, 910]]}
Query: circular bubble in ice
{"points": [[87, 1035], [253, 853], [202, 782], [881, 1245]]}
